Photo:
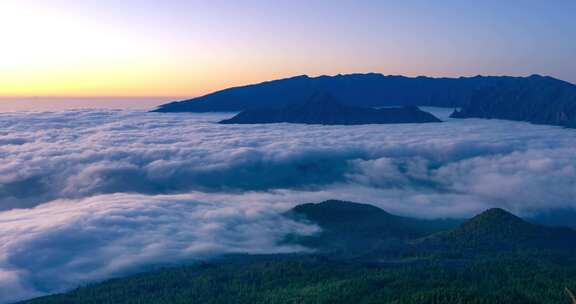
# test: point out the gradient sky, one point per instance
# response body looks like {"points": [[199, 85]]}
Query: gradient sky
{"points": [[187, 48]]}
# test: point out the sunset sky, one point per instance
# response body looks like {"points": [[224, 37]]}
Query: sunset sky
{"points": [[187, 48]]}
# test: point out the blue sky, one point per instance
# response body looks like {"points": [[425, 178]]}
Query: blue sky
{"points": [[186, 48]]}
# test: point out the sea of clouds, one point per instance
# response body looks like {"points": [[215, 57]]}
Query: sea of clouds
{"points": [[87, 195]]}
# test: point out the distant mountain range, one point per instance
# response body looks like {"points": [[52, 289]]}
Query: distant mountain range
{"points": [[362, 90], [323, 108], [537, 99]]}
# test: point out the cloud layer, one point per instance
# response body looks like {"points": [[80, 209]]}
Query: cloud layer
{"points": [[61, 244], [78, 154], [149, 188]]}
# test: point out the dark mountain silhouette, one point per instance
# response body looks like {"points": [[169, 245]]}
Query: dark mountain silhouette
{"points": [[495, 230], [359, 228], [366, 90], [324, 109], [535, 99]]}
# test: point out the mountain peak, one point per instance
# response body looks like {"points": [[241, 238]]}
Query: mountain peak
{"points": [[497, 214], [493, 229], [353, 228], [497, 229], [342, 210], [498, 221]]}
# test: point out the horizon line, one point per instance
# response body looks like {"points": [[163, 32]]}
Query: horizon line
{"points": [[89, 96], [192, 95]]}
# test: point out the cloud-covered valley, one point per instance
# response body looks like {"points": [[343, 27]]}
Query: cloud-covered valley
{"points": [[58, 245], [92, 194]]}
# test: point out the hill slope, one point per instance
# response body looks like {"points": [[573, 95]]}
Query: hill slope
{"points": [[353, 228], [320, 281], [497, 230]]}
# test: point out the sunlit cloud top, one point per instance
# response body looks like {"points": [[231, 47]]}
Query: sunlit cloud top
{"points": [[187, 48]]}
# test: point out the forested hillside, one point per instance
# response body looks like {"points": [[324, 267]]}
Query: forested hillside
{"points": [[511, 280]]}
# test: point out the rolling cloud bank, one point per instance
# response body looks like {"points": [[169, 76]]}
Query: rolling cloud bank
{"points": [[92, 194]]}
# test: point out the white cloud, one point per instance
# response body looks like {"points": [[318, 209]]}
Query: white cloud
{"points": [[75, 154]]}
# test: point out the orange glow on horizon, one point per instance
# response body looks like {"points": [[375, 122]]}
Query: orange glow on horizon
{"points": [[67, 48], [56, 52]]}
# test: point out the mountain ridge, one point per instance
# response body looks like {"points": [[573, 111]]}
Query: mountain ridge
{"points": [[367, 90]]}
